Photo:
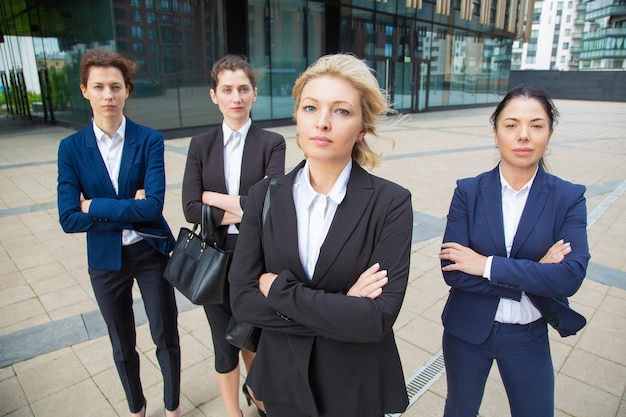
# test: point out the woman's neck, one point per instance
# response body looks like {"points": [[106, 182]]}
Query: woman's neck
{"points": [[517, 177], [323, 175], [108, 125]]}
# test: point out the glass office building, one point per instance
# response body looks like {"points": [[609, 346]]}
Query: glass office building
{"points": [[428, 54]]}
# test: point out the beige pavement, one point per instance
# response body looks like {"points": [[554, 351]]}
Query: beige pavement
{"points": [[55, 359]]}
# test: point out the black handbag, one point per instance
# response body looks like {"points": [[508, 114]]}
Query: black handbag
{"points": [[198, 268], [240, 333]]}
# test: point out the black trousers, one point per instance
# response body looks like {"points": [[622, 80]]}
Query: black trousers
{"points": [[113, 291]]}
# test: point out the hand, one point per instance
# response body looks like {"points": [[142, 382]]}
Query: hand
{"points": [[140, 194], [84, 205], [464, 258], [370, 283], [265, 282], [556, 253]]}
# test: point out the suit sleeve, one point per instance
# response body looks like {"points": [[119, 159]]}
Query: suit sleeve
{"points": [[344, 318], [274, 161], [69, 191], [552, 280], [296, 308], [457, 230], [127, 208]]}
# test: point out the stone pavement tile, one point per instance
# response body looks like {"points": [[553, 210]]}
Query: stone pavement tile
{"points": [[109, 384], [579, 399], [50, 373], [95, 355], [412, 357], [560, 352], [48, 278], [193, 352], [13, 397], [21, 315], [15, 293], [429, 404], [418, 301], [63, 298], [590, 294], [422, 333], [595, 371], [608, 323], [604, 345], [614, 305], [79, 400]]}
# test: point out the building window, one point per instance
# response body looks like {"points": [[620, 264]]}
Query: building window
{"points": [[138, 49], [151, 17], [136, 32], [565, 45], [530, 59], [568, 32], [562, 59], [134, 3], [137, 16], [570, 4], [568, 18]]}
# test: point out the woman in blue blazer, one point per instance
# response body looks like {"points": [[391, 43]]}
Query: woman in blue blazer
{"points": [[325, 274], [111, 185], [515, 247], [219, 171]]}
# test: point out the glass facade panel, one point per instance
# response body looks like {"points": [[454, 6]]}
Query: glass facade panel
{"points": [[423, 59]]}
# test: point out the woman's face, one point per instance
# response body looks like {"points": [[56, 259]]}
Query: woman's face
{"points": [[106, 92], [234, 96], [522, 133], [329, 120]]}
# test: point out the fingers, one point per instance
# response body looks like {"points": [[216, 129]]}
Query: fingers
{"points": [[370, 283], [140, 194]]}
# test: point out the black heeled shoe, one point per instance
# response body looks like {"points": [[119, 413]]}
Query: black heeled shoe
{"points": [[251, 401]]}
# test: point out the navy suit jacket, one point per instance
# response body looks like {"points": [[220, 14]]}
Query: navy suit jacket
{"points": [[82, 173], [555, 210], [315, 339], [263, 155]]}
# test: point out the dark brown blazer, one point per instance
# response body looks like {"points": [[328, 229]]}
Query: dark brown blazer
{"points": [[263, 155], [327, 353]]}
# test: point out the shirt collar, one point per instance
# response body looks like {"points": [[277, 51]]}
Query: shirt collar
{"points": [[506, 186], [228, 131], [101, 136], [336, 194]]}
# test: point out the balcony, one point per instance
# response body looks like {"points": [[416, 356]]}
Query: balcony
{"points": [[613, 10], [602, 53], [605, 33]]}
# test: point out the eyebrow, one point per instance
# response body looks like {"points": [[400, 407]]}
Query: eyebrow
{"points": [[532, 120]]}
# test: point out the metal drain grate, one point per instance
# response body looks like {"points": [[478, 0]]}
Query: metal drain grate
{"points": [[423, 378]]}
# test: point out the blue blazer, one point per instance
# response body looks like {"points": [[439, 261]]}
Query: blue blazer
{"points": [[82, 173], [555, 210]]}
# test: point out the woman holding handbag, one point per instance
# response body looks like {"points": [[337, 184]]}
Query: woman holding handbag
{"points": [[325, 274], [222, 164]]}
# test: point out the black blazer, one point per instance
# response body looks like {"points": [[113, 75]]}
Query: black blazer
{"points": [[263, 155], [320, 350]]}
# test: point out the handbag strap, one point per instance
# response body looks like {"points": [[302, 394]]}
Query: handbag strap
{"points": [[266, 203], [207, 231]]}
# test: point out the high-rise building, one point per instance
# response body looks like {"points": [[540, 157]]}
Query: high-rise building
{"points": [[604, 38], [427, 54], [554, 39]]}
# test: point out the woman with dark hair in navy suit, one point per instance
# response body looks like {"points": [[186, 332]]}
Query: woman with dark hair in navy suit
{"points": [[515, 247], [222, 164], [111, 185], [325, 274]]}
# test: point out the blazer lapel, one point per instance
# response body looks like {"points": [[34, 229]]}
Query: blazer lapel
{"points": [[128, 155], [96, 167], [346, 218], [532, 210], [491, 197], [283, 224]]}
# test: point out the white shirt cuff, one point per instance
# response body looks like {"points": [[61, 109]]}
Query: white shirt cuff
{"points": [[487, 272]]}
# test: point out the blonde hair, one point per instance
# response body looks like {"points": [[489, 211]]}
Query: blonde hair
{"points": [[373, 99]]}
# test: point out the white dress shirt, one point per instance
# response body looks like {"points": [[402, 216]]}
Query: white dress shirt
{"points": [[315, 213], [111, 151], [233, 153], [513, 202]]}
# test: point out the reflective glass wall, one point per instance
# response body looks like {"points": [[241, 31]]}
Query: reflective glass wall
{"points": [[425, 60]]}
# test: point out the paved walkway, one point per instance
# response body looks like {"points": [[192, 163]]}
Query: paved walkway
{"points": [[55, 357]]}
